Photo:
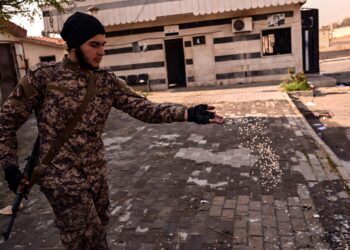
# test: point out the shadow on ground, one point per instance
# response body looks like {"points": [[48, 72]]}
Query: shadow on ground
{"points": [[335, 136]]}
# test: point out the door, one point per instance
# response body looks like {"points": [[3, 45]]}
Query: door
{"points": [[203, 60], [175, 61], [8, 79], [310, 36]]}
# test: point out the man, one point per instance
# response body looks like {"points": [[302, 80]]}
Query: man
{"points": [[75, 181], [277, 20]]}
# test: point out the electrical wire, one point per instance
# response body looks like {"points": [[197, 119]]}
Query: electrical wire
{"points": [[138, 15], [172, 37]]}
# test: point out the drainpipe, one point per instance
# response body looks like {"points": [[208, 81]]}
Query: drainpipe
{"points": [[26, 64]]}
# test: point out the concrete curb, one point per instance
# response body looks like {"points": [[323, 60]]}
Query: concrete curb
{"points": [[335, 59], [340, 167]]}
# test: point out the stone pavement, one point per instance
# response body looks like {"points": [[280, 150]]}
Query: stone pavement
{"points": [[261, 181], [329, 108]]}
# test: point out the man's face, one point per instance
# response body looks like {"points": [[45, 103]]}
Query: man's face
{"points": [[90, 53]]}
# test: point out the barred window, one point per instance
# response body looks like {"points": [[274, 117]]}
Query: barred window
{"points": [[47, 58], [276, 42]]}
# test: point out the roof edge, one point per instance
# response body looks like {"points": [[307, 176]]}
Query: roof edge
{"points": [[42, 42]]}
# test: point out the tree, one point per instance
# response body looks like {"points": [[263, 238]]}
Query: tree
{"points": [[27, 8], [345, 22], [335, 25]]}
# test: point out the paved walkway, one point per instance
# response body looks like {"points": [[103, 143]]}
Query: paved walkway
{"points": [[259, 182], [335, 101]]}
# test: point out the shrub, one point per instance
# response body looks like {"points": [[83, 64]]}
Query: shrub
{"points": [[295, 81]]}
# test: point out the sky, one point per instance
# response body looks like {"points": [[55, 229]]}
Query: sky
{"points": [[330, 11]]}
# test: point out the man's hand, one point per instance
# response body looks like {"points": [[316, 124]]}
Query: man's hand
{"points": [[200, 114], [14, 177]]}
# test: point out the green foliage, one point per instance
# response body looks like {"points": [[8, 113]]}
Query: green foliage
{"points": [[331, 163], [28, 8], [295, 81]]}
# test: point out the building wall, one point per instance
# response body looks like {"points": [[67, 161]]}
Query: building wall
{"points": [[18, 64], [340, 32], [33, 52], [116, 12], [9, 70], [226, 58], [20, 51], [6, 38], [324, 38]]}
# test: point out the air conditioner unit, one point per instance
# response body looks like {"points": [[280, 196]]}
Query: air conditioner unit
{"points": [[244, 24]]}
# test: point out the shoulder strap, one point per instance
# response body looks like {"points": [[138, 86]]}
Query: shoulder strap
{"points": [[62, 138]]}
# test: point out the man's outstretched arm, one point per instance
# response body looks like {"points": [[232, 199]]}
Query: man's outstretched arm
{"points": [[203, 114], [142, 109]]}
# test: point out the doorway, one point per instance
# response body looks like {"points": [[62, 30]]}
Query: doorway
{"points": [[175, 61], [310, 36], [8, 79]]}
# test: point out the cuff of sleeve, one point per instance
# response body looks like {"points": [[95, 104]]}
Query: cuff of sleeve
{"points": [[7, 166]]}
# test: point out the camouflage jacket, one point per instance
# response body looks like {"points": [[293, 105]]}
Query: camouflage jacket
{"points": [[54, 91]]}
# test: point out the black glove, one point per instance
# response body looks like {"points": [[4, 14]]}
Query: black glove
{"points": [[200, 114], [13, 176]]}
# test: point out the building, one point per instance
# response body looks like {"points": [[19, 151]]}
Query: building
{"points": [[18, 52], [334, 42], [340, 32], [43, 49], [198, 42], [12, 64], [325, 37]]}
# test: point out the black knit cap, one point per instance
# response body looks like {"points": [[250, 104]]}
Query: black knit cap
{"points": [[79, 28]]}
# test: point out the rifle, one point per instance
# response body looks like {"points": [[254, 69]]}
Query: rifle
{"points": [[24, 187], [33, 176]]}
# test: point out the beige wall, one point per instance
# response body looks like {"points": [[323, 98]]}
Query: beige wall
{"points": [[340, 32], [5, 37], [324, 38], [33, 52], [19, 63], [204, 67], [265, 62]]}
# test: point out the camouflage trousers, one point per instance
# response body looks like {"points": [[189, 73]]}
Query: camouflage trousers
{"points": [[81, 216]]}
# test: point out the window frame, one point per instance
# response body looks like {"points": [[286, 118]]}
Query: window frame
{"points": [[198, 44], [281, 52], [53, 56]]}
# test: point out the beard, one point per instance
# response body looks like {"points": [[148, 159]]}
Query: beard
{"points": [[82, 60]]}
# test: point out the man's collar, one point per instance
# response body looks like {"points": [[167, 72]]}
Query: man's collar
{"points": [[70, 64]]}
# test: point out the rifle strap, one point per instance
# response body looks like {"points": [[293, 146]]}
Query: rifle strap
{"points": [[68, 130]]}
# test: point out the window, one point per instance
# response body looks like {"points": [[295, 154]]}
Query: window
{"points": [[47, 59], [198, 40], [136, 47], [277, 42]]}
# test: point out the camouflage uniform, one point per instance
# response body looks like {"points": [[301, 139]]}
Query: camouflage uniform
{"points": [[75, 181]]}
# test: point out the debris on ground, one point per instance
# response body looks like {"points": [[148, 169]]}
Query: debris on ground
{"points": [[310, 103], [8, 210], [322, 128], [317, 114]]}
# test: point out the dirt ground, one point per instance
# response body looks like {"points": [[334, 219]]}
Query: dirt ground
{"points": [[328, 112]]}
